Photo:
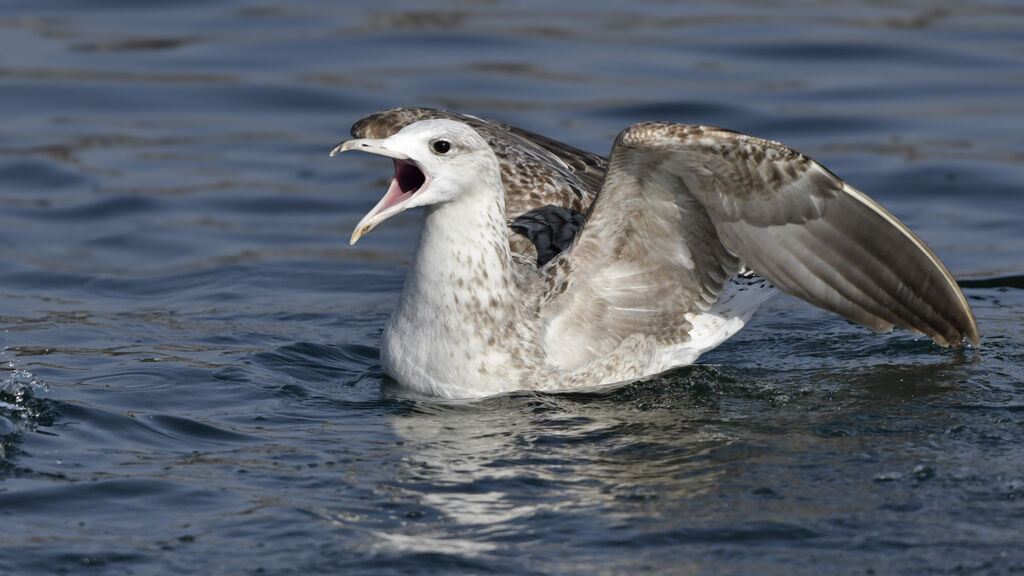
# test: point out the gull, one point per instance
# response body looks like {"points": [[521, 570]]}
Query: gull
{"points": [[543, 267]]}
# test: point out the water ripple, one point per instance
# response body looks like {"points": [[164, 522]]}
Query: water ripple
{"points": [[189, 371]]}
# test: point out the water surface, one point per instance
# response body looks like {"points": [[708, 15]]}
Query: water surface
{"points": [[189, 378]]}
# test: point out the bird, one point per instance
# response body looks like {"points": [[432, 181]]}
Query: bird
{"points": [[541, 267]]}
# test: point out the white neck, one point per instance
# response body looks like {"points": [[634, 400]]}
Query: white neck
{"points": [[459, 292]]}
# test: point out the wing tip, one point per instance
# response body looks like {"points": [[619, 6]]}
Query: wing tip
{"points": [[959, 335], [952, 337], [965, 324], [971, 336], [959, 330]]}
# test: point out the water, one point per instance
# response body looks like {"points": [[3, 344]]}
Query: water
{"points": [[188, 347]]}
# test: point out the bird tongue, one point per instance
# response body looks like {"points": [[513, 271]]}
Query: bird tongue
{"points": [[394, 195], [408, 179]]}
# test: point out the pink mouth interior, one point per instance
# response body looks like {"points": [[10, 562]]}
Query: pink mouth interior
{"points": [[408, 180]]}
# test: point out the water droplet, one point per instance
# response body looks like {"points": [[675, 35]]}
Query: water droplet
{"points": [[888, 477], [922, 472]]}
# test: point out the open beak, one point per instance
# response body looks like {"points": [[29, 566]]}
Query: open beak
{"points": [[409, 179]]}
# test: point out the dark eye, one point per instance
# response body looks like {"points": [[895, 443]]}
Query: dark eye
{"points": [[442, 146]]}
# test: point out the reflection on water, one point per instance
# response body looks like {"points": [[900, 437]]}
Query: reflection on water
{"points": [[188, 347], [648, 455]]}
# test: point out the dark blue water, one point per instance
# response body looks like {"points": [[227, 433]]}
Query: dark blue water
{"points": [[189, 379]]}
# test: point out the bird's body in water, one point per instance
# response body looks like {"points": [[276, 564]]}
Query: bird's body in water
{"points": [[546, 268]]}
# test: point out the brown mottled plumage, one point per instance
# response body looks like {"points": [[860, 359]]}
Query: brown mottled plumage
{"points": [[651, 279]]}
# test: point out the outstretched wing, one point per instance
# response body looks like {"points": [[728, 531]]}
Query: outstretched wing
{"points": [[683, 206]]}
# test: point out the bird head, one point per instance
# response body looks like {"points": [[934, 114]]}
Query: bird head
{"points": [[436, 161]]}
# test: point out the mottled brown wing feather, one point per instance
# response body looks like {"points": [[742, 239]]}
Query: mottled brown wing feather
{"points": [[725, 197], [647, 255]]}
